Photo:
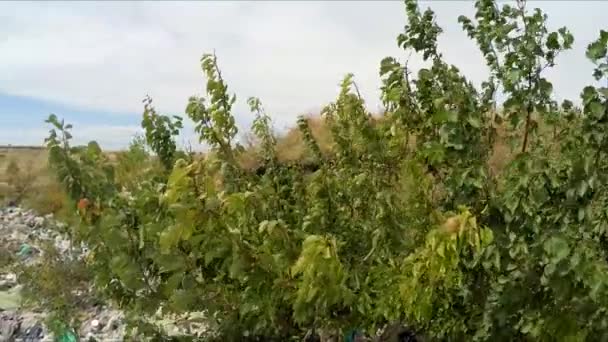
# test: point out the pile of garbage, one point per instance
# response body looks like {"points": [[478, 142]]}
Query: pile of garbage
{"points": [[22, 233]]}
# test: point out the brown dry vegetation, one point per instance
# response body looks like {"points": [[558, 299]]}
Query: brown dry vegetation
{"points": [[291, 148], [33, 173]]}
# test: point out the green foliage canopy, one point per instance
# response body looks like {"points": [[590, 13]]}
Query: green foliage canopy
{"points": [[404, 221]]}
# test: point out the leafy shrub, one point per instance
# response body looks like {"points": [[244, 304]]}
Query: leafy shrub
{"points": [[132, 165], [160, 130], [400, 219]]}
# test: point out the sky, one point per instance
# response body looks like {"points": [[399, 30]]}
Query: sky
{"points": [[92, 63]]}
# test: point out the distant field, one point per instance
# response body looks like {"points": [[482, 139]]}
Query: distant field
{"points": [[42, 193], [28, 158], [21, 147], [40, 189]]}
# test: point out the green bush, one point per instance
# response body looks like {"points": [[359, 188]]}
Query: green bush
{"points": [[401, 221]]}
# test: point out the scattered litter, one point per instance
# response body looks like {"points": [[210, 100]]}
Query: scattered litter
{"points": [[9, 324], [10, 299], [25, 251], [68, 336]]}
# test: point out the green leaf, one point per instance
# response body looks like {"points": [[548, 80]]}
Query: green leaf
{"points": [[237, 268], [582, 188], [540, 195], [545, 87], [183, 300], [597, 109], [581, 213], [170, 237], [443, 116], [172, 283], [473, 121], [552, 41], [487, 237], [596, 50], [513, 76], [170, 263], [557, 248]]}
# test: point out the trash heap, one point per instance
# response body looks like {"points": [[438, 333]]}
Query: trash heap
{"points": [[22, 233]]}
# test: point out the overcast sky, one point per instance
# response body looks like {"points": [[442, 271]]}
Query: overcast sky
{"points": [[93, 62]]}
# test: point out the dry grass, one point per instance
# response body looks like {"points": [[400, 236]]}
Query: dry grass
{"points": [[290, 146], [43, 194], [502, 153], [26, 158], [31, 163]]}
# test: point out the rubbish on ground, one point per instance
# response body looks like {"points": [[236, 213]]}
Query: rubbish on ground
{"points": [[25, 250], [68, 336], [8, 325], [10, 299]]}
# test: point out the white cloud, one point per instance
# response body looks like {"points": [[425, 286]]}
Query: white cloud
{"points": [[108, 55]]}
